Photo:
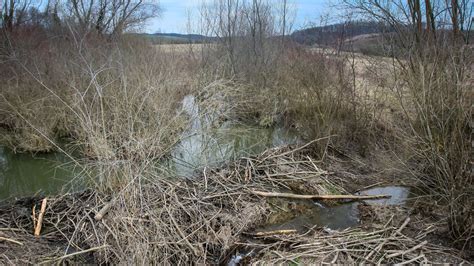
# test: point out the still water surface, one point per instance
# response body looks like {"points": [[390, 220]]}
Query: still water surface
{"points": [[201, 145], [27, 174], [341, 216]]}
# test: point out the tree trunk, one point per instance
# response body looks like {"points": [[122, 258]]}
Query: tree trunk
{"points": [[430, 22], [454, 17]]}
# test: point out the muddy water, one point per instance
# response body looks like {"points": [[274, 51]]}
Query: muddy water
{"points": [[27, 174]]}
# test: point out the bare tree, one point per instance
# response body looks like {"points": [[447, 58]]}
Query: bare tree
{"points": [[286, 16], [402, 14], [111, 16], [14, 13], [246, 29], [103, 16]]}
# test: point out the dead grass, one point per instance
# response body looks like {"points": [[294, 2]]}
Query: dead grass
{"points": [[112, 99]]}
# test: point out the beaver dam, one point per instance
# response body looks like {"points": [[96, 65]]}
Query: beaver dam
{"points": [[277, 207], [231, 195]]}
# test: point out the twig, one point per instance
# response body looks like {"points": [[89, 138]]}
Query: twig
{"points": [[180, 232], [297, 149], [370, 186], [379, 247], [329, 197], [11, 229], [39, 223], [10, 240], [75, 254], [408, 250], [412, 260], [33, 215]]}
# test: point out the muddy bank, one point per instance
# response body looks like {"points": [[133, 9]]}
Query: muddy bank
{"points": [[212, 219]]}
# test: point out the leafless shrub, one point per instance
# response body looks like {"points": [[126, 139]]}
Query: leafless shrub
{"points": [[115, 101], [101, 16], [433, 69]]}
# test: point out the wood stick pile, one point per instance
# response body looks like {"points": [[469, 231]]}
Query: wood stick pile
{"points": [[204, 220]]}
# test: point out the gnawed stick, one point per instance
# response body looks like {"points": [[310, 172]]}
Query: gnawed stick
{"points": [[323, 197], [275, 232], [39, 222], [101, 213], [10, 240]]}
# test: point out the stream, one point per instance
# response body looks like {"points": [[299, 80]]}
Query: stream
{"points": [[201, 145]]}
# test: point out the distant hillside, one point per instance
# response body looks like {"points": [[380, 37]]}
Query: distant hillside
{"points": [[327, 35]]}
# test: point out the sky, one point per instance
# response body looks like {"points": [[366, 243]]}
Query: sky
{"points": [[175, 14]]}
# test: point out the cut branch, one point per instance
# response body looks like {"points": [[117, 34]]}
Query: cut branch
{"points": [[275, 232], [322, 197], [408, 250], [39, 223], [101, 213]]}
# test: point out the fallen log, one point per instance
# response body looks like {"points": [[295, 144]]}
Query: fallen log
{"points": [[321, 197]]}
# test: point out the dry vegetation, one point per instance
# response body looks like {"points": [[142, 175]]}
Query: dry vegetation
{"points": [[206, 220], [115, 100]]}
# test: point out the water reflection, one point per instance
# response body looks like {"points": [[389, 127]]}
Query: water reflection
{"points": [[26, 174], [399, 195], [335, 217], [203, 145]]}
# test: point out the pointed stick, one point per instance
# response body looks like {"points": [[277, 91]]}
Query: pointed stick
{"points": [[39, 223]]}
